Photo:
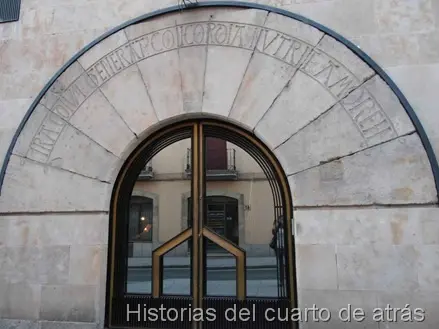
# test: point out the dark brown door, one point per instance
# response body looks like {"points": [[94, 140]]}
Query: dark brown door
{"points": [[216, 154]]}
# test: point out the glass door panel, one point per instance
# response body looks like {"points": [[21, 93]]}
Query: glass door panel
{"points": [[150, 231]]}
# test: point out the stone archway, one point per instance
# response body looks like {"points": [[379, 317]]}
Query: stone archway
{"points": [[345, 138]]}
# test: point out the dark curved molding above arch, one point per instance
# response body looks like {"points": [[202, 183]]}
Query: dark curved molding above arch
{"points": [[245, 5]]}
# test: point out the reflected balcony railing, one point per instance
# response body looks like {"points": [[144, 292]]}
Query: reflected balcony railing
{"points": [[147, 172], [216, 168]]}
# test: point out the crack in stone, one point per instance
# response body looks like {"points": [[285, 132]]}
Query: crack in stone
{"points": [[352, 153]]}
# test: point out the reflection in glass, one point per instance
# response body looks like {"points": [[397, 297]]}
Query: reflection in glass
{"points": [[177, 271], [239, 206], [154, 218], [221, 275]]}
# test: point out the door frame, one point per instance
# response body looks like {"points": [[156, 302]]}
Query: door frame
{"points": [[194, 129]]}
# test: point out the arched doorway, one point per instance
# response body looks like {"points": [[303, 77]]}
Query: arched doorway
{"points": [[205, 234]]}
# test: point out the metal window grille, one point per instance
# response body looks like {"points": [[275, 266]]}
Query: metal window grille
{"points": [[9, 10]]}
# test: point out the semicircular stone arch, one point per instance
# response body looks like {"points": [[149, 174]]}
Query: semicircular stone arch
{"points": [[340, 132], [335, 125]]}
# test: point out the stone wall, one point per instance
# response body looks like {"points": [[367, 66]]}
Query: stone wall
{"points": [[366, 208]]}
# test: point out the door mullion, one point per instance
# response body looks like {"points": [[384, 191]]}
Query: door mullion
{"points": [[195, 218], [201, 210]]}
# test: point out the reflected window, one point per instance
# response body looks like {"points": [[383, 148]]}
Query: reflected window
{"points": [[141, 219], [9, 10]]}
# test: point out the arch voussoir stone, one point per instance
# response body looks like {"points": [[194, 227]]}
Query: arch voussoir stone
{"points": [[368, 116], [51, 140], [279, 52], [397, 172], [30, 186]]}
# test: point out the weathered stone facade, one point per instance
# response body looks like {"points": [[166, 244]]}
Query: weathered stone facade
{"points": [[367, 222]]}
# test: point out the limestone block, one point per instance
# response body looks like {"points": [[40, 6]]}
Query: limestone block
{"points": [[66, 325], [102, 285], [84, 268], [142, 32], [428, 267], [338, 303], [4, 286], [375, 98], [103, 48], [17, 86], [163, 81], [56, 230], [294, 28], [263, 82], [404, 16], [276, 59], [79, 307], [348, 17], [378, 267], [49, 139], [4, 227], [369, 115], [316, 267], [23, 232], [19, 324], [3, 253], [28, 66], [20, 301], [30, 186], [69, 91], [11, 114], [426, 316], [128, 9], [398, 226], [192, 69], [418, 83], [394, 172], [127, 93], [239, 15], [435, 5], [63, 17], [390, 49], [36, 54], [330, 136], [336, 67], [429, 46], [302, 101], [223, 79], [9, 30], [98, 119], [430, 228], [37, 265]]}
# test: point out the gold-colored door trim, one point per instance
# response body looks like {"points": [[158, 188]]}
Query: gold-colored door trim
{"points": [[157, 260], [241, 285]]}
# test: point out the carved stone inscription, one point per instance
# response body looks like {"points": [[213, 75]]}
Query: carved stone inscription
{"points": [[365, 112], [44, 141], [368, 115], [270, 42], [62, 102]]}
